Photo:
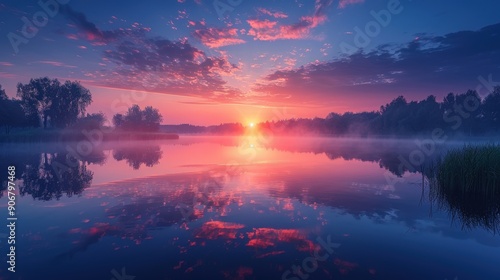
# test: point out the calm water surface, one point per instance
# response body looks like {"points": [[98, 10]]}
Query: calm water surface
{"points": [[235, 208]]}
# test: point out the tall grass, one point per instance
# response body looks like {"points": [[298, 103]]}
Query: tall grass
{"points": [[466, 183]]}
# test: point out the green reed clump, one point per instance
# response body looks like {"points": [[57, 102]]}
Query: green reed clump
{"points": [[467, 184], [472, 169]]}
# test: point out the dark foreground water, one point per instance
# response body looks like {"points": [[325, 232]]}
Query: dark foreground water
{"points": [[236, 208]]}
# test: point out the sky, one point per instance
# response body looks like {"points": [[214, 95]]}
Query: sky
{"points": [[209, 62]]}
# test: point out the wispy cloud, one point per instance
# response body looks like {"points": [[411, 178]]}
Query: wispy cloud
{"points": [[138, 62], [56, 63], [266, 30], [172, 67], [344, 3], [217, 37], [276, 14], [6, 75], [89, 31]]}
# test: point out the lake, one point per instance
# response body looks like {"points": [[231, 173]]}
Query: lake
{"points": [[238, 208]]}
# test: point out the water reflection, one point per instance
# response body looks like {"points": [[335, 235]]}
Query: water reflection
{"points": [[251, 219], [392, 155], [49, 177], [136, 209], [19, 160], [55, 172], [87, 238], [233, 224], [472, 208], [135, 156], [50, 172]]}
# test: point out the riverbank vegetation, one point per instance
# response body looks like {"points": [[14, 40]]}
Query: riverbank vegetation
{"points": [[466, 183]]}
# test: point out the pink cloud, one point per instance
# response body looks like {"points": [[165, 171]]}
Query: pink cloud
{"points": [[163, 66], [261, 24], [266, 30], [218, 37], [345, 3], [290, 61], [56, 63], [72, 36], [273, 14], [6, 75]]}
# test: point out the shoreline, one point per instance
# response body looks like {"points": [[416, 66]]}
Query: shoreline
{"points": [[55, 136]]}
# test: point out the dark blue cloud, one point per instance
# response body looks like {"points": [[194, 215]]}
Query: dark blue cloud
{"points": [[176, 66], [428, 65]]}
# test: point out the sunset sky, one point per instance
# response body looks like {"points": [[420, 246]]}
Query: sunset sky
{"points": [[208, 62]]}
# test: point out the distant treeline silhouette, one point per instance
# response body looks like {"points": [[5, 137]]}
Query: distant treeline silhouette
{"points": [[464, 114], [45, 102], [459, 114]]}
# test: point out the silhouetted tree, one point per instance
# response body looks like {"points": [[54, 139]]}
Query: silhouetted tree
{"points": [[50, 100], [118, 120], [152, 118], [394, 115], [491, 110], [3, 95], [70, 102], [148, 119], [472, 120], [11, 113], [91, 121]]}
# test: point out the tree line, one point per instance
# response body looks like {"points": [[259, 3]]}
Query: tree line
{"points": [[48, 103], [465, 114]]}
